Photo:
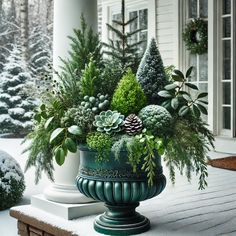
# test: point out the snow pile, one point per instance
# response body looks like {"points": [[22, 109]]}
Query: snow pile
{"points": [[11, 181]]}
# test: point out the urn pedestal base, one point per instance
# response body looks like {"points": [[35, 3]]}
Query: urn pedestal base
{"points": [[121, 220]]}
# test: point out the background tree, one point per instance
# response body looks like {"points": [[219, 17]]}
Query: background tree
{"points": [[15, 105], [24, 26], [121, 48], [151, 73]]}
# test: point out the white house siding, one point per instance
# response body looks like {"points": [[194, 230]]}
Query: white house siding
{"points": [[165, 31], [99, 4]]}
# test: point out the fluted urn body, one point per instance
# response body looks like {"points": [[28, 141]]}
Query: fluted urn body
{"points": [[114, 183]]}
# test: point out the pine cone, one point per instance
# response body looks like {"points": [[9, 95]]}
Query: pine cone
{"points": [[133, 124]]}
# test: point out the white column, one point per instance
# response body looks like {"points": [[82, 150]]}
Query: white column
{"points": [[67, 15]]}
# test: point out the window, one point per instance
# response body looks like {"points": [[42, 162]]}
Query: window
{"points": [[199, 76], [140, 23], [226, 83]]}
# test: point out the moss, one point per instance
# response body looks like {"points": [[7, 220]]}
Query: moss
{"points": [[129, 96], [100, 142]]}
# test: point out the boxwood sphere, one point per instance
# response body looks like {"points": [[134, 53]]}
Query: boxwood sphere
{"points": [[156, 119], [12, 183]]}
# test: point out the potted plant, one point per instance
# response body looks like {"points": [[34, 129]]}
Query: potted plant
{"points": [[124, 125]]}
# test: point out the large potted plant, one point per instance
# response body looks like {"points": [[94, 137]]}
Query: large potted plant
{"points": [[121, 159]]}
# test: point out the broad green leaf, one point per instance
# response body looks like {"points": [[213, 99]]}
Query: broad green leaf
{"points": [[174, 103], [189, 71], [202, 95], [183, 92], [42, 107], [187, 97], [177, 78], [164, 94], [71, 145], [179, 73], [55, 133], [37, 117], [171, 86], [48, 122], [202, 109], [183, 110], [44, 114], [166, 103], [74, 129], [60, 156], [192, 86], [196, 111]]}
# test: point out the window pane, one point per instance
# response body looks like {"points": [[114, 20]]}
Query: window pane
{"points": [[226, 6], [226, 49], [193, 62], [226, 27], [226, 117], [226, 93], [226, 69], [203, 87], [192, 8], [143, 37], [134, 24], [203, 8], [203, 65], [143, 19]]}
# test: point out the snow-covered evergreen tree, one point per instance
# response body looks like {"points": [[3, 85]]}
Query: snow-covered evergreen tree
{"points": [[39, 51], [15, 104], [151, 74]]}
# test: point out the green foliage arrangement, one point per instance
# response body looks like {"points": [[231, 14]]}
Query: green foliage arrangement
{"points": [[102, 143], [84, 45], [151, 73], [195, 36], [94, 106], [156, 119], [110, 77], [90, 79], [187, 150], [109, 122], [129, 96], [180, 101], [12, 183], [122, 50]]}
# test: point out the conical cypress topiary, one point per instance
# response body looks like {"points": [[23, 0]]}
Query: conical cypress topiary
{"points": [[129, 96], [151, 74]]}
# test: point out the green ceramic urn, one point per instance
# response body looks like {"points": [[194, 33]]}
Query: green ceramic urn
{"points": [[114, 183]]}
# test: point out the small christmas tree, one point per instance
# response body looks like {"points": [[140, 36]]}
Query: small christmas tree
{"points": [[15, 105], [129, 96], [151, 74], [84, 45], [126, 53]]}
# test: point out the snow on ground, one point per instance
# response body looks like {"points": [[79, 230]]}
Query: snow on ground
{"points": [[8, 225]]}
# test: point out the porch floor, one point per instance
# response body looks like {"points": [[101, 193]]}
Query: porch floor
{"points": [[179, 210]]}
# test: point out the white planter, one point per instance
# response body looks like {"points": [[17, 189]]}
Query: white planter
{"points": [[64, 189]]}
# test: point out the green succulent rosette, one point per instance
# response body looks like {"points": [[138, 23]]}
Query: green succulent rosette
{"points": [[109, 122]]}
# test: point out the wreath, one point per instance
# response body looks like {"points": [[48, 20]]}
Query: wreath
{"points": [[195, 36]]}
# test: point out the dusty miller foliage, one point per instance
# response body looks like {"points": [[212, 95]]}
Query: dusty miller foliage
{"points": [[151, 73]]}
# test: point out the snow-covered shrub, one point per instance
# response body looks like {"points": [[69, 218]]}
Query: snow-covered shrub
{"points": [[151, 74], [156, 119], [15, 102], [12, 183]]}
